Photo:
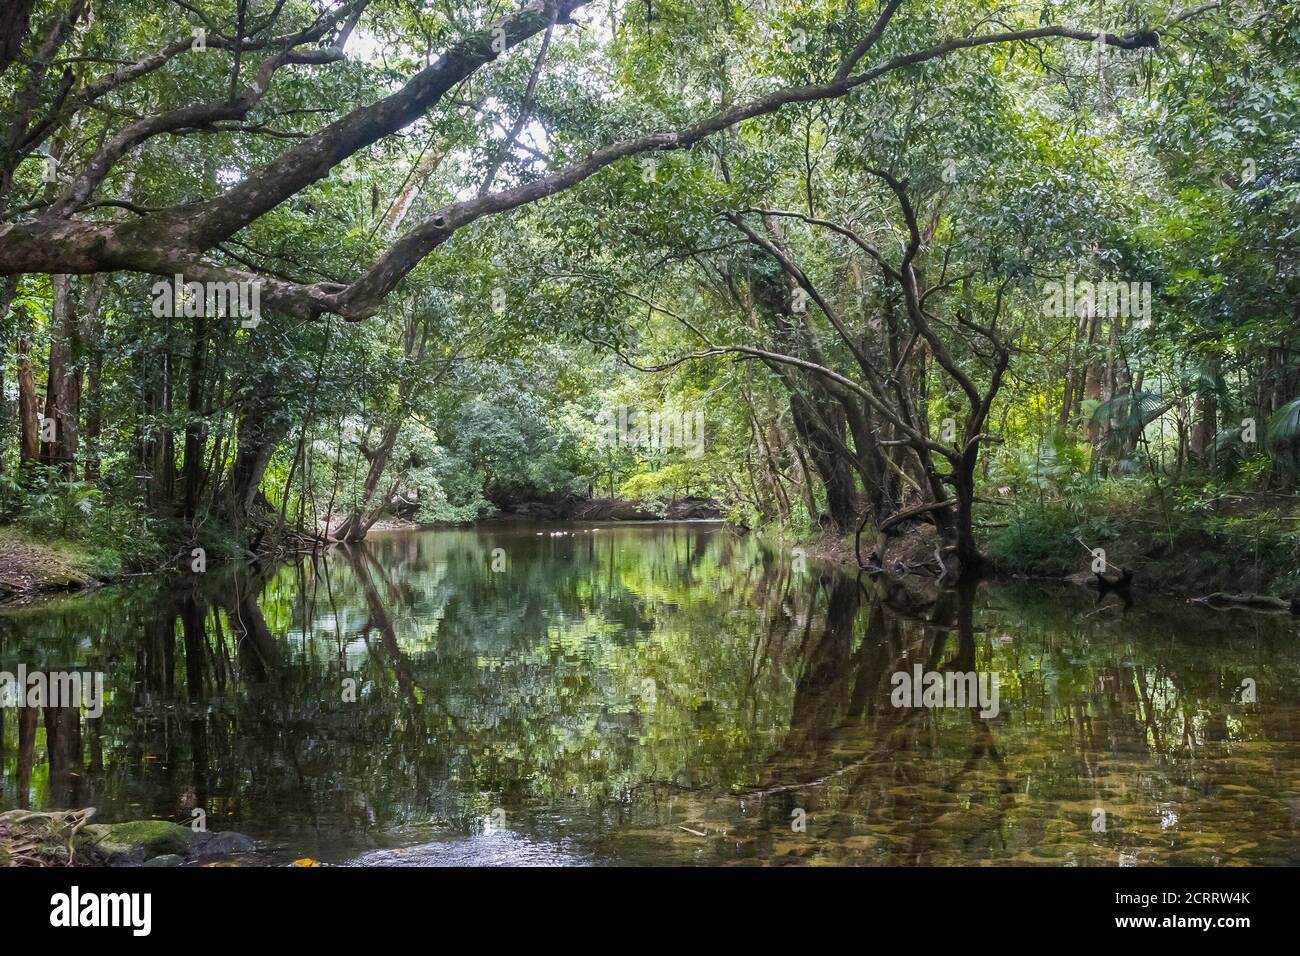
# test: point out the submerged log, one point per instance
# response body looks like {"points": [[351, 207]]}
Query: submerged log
{"points": [[1258, 602]]}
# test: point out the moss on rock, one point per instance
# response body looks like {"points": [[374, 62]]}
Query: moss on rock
{"points": [[150, 837]]}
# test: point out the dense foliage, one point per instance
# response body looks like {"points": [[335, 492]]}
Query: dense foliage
{"points": [[835, 265]]}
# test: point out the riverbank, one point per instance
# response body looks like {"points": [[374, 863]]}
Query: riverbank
{"points": [[1233, 544], [31, 566], [1174, 540], [1230, 544], [68, 838]]}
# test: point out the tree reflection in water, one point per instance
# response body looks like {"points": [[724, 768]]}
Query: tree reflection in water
{"points": [[665, 693]]}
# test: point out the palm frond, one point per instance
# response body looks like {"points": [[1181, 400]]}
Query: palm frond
{"points": [[1284, 425], [1130, 412], [1283, 435]]}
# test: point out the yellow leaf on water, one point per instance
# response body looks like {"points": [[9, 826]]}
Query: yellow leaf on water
{"points": [[305, 861]]}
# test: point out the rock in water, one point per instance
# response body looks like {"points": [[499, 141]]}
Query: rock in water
{"points": [[224, 844]]}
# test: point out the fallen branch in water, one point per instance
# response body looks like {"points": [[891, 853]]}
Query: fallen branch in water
{"points": [[1257, 602], [1100, 581], [1093, 552]]}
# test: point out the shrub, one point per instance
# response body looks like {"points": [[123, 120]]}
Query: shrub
{"points": [[1037, 535]]}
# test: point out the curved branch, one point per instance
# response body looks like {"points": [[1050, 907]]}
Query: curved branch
{"points": [[311, 160], [156, 61], [362, 300], [163, 242]]}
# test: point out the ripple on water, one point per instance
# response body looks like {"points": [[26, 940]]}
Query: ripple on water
{"points": [[490, 849]]}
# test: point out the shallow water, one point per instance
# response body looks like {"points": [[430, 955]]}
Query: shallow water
{"points": [[660, 693]]}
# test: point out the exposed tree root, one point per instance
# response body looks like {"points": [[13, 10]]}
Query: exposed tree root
{"points": [[29, 838]]}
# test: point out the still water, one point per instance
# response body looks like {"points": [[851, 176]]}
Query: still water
{"points": [[659, 693]]}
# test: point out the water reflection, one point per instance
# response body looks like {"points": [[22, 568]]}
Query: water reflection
{"points": [[659, 693]]}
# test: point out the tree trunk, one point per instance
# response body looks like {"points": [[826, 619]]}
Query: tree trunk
{"points": [[91, 365], [260, 432], [29, 426], [1072, 387], [155, 452], [194, 434], [415, 341], [63, 383], [1092, 376], [94, 414], [1206, 418], [165, 467], [835, 473], [357, 523]]}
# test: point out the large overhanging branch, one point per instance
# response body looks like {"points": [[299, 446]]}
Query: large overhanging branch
{"points": [[363, 298], [867, 42], [176, 239], [14, 18], [22, 135], [298, 168], [312, 160], [29, 92]]}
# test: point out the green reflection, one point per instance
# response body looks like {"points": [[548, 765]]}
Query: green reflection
{"points": [[658, 693]]}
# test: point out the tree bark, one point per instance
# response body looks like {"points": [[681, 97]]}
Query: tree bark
{"points": [[1092, 375], [1206, 420], [29, 426], [63, 381], [260, 431], [194, 432]]}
